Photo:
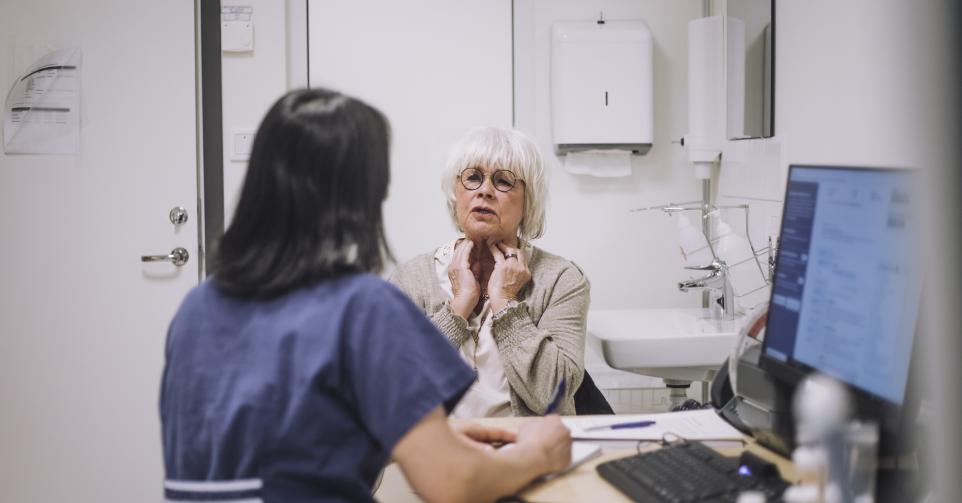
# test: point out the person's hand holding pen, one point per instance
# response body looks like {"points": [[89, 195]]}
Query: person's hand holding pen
{"points": [[546, 438], [549, 439], [552, 435]]}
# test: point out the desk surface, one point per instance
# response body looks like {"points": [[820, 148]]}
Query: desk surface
{"points": [[581, 484]]}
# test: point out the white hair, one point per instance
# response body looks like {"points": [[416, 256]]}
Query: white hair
{"points": [[501, 148]]}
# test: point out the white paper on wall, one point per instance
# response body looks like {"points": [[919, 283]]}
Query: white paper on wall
{"points": [[601, 163], [41, 114]]}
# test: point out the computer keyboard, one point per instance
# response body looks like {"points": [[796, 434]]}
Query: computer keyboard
{"points": [[691, 472]]}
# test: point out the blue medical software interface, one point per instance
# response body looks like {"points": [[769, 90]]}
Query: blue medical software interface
{"points": [[846, 294]]}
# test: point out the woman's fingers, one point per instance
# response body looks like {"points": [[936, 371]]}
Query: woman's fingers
{"points": [[510, 253], [462, 254], [510, 273], [486, 434], [461, 261], [460, 271], [504, 254], [496, 252]]}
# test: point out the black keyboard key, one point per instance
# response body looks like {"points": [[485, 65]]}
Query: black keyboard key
{"points": [[689, 472]]}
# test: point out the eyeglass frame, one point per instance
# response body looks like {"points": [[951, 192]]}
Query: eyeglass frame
{"points": [[485, 176]]}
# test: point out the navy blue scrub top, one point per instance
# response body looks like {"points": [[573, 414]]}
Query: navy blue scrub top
{"points": [[306, 394]]}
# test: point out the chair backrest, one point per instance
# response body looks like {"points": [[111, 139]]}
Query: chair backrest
{"points": [[589, 399], [721, 387]]}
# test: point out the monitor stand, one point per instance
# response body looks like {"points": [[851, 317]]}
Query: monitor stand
{"points": [[779, 436]]}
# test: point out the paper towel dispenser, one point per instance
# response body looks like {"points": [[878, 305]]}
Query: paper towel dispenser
{"points": [[601, 86]]}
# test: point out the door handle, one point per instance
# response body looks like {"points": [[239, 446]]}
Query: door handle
{"points": [[178, 256]]}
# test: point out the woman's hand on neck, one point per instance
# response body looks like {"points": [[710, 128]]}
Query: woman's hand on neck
{"points": [[482, 246], [481, 262]]}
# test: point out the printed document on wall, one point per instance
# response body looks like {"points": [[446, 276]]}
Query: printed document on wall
{"points": [[41, 114]]}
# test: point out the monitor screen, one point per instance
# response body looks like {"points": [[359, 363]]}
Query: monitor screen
{"points": [[846, 293]]}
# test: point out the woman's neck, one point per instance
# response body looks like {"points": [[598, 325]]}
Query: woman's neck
{"points": [[482, 243], [481, 255]]}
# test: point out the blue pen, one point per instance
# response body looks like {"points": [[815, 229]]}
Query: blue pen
{"points": [[556, 401], [620, 426]]}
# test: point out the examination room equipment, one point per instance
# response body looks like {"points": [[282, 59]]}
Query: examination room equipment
{"points": [[845, 303], [846, 296], [602, 86]]}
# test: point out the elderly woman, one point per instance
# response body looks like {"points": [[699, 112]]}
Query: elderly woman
{"points": [[515, 312]]}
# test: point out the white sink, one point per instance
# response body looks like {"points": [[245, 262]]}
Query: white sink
{"points": [[680, 344]]}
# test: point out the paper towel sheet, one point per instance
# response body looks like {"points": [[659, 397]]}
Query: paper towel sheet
{"points": [[602, 163]]}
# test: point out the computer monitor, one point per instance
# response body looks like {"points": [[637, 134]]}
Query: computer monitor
{"points": [[847, 288]]}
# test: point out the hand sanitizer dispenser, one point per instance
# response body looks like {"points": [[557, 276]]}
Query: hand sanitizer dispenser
{"points": [[601, 86], [706, 93]]}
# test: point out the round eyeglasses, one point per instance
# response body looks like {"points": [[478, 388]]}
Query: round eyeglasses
{"points": [[502, 179]]}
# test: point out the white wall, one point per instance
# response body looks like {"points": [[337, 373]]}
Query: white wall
{"points": [[588, 219], [852, 81], [854, 85], [251, 82], [632, 259], [436, 68]]}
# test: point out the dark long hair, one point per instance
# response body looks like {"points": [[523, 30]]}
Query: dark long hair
{"points": [[310, 207]]}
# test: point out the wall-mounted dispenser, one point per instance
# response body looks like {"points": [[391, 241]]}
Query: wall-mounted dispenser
{"points": [[601, 86], [706, 94]]}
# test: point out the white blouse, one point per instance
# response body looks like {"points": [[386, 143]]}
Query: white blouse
{"points": [[489, 395]]}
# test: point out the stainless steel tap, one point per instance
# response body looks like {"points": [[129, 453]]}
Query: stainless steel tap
{"points": [[716, 282]]}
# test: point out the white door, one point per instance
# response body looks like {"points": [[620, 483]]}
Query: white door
{"points": [[82, 320]]}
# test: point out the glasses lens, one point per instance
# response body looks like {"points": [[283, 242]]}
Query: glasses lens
{"points": [[472, 178], [503, 180]]}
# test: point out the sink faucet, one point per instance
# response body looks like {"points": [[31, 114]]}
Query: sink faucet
{"points": [[717, 283]]}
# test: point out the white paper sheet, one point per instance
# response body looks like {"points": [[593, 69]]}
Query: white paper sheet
{"points": [[600, 163], [41, 114], [702, 424]]}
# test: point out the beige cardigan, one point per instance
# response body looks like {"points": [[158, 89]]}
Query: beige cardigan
{"points": [[541, 338]]}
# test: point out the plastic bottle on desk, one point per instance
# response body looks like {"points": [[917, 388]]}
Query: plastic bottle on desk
{"points": [[825, 437]]}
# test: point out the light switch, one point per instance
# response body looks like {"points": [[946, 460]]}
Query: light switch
{"points": [[243, 140], [236, 29]]}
